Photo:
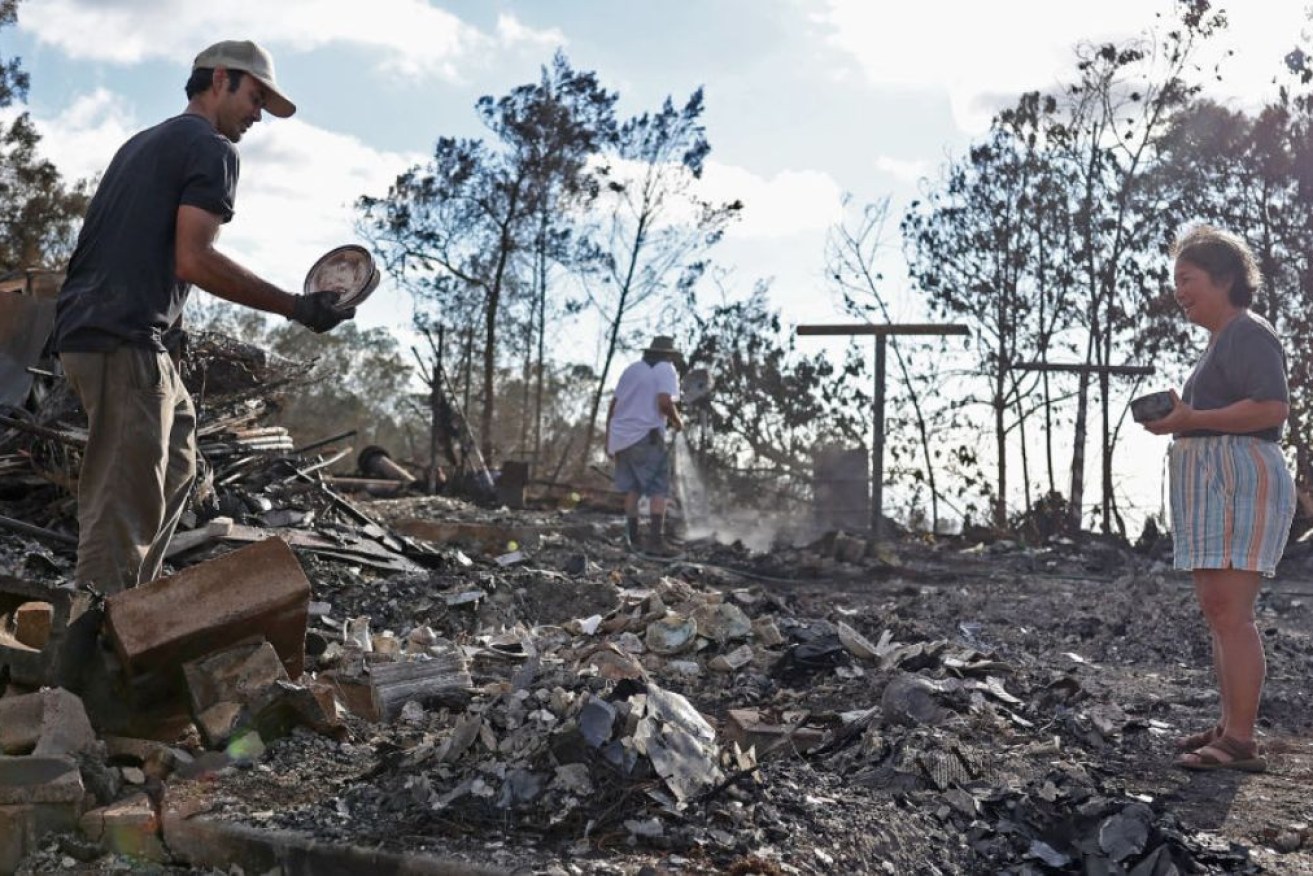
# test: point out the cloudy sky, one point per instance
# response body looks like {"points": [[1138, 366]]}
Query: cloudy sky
{"points": [[807, 100]]}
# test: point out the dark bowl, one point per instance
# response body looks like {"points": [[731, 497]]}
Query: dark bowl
{"points": [[1153, 406]]}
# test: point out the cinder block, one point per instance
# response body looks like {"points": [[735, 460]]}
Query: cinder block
{"points": [[22, 828], [47, 723], [32, 624], [355, 694], [31, 780], [20, 723], [258, 590], [218, 722], [234, 675], [73, 627], [127, 827], [65, 727]]}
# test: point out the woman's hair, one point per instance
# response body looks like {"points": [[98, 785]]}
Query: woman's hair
{"points": [[1224, 257]]}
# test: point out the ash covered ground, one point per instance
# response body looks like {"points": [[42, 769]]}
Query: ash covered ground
{"points": [[959, 706]]}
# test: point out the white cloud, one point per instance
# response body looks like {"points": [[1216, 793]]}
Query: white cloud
{"points": [[82, 139], [512, 32], [789, 203], [901, 169], [410, 37], [984, 54], [296, 201]]}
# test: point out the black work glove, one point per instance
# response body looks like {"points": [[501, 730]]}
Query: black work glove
{"points": [[319, 312]]}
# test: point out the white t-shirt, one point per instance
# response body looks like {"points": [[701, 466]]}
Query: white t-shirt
{"points": [[636, 411]]}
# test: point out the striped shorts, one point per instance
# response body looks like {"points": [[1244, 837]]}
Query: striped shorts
{"points": [[1232, 503]]}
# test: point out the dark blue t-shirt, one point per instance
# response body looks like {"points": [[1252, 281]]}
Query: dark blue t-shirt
{"points": [[121, 286], [1245, 361]]}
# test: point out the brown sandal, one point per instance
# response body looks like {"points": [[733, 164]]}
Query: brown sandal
{"points": [[1197, 740], [1241, 756]]}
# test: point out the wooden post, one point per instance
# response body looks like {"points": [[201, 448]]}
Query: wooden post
{"points": [[1105, 373], [881, 334]]}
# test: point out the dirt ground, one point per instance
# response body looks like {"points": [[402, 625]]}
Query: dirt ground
{"points": [[1024, 728]]}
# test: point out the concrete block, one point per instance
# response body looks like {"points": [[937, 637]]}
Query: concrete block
{"points": [[354, 693], [218, 722], [23, 827], [20, 723], [246, 687], [31, 780], [13, 836], [60, 660], [127, 827], [257, 590], [65, 728], [749, 729], [283, 705], [48, 723], [235, 675], [33, 622]]}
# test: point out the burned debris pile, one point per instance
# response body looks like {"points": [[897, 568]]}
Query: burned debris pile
{"points": [[513, 690]]}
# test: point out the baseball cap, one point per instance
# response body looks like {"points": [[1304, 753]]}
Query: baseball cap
{"points": [[246, 55]]}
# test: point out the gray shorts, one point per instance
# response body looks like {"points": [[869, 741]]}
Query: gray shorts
{"points": [[643, 468]]}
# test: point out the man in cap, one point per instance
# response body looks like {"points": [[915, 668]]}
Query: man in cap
{"points": [[148, 236], [643, 403]]}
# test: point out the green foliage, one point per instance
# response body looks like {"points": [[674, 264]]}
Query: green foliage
{"points": [[39, 213]]}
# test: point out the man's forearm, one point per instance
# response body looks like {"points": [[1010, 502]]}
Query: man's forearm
{"points": [[219, 275]]}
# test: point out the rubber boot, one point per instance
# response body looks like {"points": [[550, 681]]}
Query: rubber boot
{"points": [[631, 532], [656, 537]]}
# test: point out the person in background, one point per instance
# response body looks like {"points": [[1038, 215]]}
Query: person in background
{"points": [[644, 402], [149, 235], [1232, 497]]}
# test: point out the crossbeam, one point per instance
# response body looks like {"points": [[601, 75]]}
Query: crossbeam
{"points": [[1124, 370], [881, 333], [862, 328]]}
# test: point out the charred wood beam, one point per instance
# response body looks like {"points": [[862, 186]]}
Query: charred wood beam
{"points": [[44, 432], [37, 532], [324, 442], [884, 330], [445, 680], [1130, 370]]}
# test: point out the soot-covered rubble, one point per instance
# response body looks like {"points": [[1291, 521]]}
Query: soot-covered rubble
{"points": [[515, 692]]}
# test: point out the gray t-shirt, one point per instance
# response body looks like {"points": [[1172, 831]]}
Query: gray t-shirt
{"points": [[122, 287], [1245, 361]]}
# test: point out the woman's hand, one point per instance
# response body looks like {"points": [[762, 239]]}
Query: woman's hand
{"points": [[1179, 420]]}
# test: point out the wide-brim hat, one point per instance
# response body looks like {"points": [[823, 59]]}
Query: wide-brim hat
{"points": [[255, 60], [664, 344]]}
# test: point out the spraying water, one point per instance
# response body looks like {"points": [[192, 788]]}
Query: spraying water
{"points": [[753, 527], [691, 491]]}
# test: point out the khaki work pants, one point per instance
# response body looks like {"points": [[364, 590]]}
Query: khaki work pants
{"points": [[139, 464]]}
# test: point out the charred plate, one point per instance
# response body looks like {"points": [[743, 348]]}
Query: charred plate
{"points": [[1153, 406], [347, 270]]}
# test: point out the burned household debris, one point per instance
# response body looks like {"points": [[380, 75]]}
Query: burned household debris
{"points": [[332, 674]]}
